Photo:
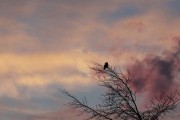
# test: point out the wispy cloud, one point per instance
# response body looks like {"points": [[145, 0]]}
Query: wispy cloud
{"points": [[49, 44]]}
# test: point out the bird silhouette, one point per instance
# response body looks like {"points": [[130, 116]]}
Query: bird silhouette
{"points": [[105, 65]]}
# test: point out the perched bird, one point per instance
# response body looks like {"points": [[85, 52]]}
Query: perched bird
{"points": [[105, 65]]}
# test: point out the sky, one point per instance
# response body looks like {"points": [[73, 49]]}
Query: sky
{"points": [[46, 45]]}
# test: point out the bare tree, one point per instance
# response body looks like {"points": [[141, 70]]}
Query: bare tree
{"points": [[119, 101]]}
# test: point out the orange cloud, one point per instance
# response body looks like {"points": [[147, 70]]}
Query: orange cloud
{"points": [[44, 43]]}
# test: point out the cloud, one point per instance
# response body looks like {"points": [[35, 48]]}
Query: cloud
{"points": [[43, 70], [46, 44], [17, 8], [56, 115], [64, 25], [156, 73], [42, 102]]}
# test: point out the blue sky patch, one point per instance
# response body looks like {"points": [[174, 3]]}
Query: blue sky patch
{"points": [[121, 13]]}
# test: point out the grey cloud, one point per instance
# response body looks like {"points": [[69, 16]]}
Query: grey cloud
{"points": [[58, 26], [156, 73]]}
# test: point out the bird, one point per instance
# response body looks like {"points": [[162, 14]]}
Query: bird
{"points": [[105, 65]]}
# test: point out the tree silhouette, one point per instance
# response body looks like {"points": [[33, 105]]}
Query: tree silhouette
{"points": [[119, 101]]}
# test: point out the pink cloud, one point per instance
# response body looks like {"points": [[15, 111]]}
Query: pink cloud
{"points": [[156, 73]]}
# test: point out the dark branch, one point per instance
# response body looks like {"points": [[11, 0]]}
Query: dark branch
{"points": [[119, 101]]}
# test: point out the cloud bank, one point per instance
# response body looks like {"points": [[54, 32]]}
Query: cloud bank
{"points": [[46, 44]]}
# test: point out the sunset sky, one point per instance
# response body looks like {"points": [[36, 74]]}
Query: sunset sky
{"points": [[46, 45]]}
